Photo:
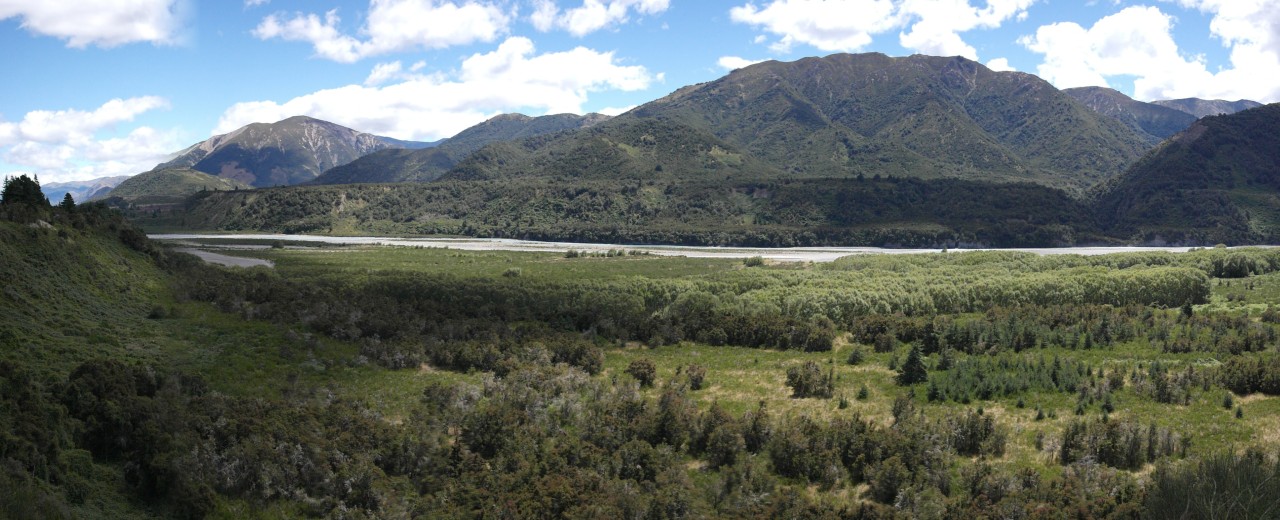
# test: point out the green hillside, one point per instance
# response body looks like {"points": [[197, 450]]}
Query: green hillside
{"points": [[170, 186], [394, 165], [868, 211], [1157, 122], [920, 116], [1219, 181], [392, 382], [287, 152]]}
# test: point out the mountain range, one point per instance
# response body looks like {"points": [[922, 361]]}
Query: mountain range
{"points": [[81, 190], [1217, 181], [1208, 107], [401, 165], [292, 151], [170, 186], [842, 149]]}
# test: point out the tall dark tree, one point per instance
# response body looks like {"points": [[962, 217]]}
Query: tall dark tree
{"points": [[68, 204], [913, 370], [24, 190]]}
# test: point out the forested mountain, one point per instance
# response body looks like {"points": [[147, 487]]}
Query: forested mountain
{"points": [[843, 150], [1218, 181], [82, 190], [803, 212], [839, 116], [920, 116], [287, 152], [1208, 107], [170, 186], [1157, 122], [399, 165]]}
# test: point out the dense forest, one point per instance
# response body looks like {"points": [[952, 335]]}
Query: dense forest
{"points": [[408, 382], [880, 211]]}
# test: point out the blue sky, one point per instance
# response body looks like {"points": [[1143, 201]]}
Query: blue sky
{"points": [[110, 87]]}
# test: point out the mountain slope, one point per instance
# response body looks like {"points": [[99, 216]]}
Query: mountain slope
{"points": [[427, 165], [1156, 121], [918, 116], [1206, 107], [1218, 181], [291, 151], [81, 190], [170, 186]]}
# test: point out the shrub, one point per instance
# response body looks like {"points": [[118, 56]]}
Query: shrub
{"points": [[696, 375], [807, 380], [643, 370]]}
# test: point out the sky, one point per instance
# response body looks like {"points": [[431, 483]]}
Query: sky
{"points": [[94, 88]]}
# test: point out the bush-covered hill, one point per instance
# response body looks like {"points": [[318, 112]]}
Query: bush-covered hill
{"points": [[1218, 181], [868, 211], [1156, 121], [170, 186], [399, 165]]}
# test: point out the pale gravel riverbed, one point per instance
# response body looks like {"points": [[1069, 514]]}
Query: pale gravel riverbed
{"points": [[786, 254]]}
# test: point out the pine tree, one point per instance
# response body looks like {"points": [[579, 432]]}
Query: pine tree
{"points": [[68, 204], [23, 189], [913, 370]]}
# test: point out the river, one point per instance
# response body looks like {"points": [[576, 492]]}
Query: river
{"points": [[785, 254]]}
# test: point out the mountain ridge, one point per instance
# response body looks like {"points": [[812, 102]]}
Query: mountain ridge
{"points": [[290, 151], [1156, 121], [846, 115], [1208, 107], [429, 164]]}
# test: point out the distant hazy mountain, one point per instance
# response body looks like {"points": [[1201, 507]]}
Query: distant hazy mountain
{"points": [[81, 191], [1218, 181], [291, 151], [1156, 121], [426, 165], [847, 115], [1207, 107], [170, 186]]}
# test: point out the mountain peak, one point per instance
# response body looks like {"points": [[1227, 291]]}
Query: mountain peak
{"points": [[1208, 107], [290, 151]]}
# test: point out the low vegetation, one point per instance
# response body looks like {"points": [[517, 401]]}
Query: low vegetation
{"points": [[410, 382]]}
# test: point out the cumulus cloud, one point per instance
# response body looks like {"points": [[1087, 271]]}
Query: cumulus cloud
{"points": [[938, 23], [829, 26], [65, 145], [932, 26], [427, 107], [105, 23], [1000, 65], [735, 62], [1138, 42], [592, 15], [391, 26], [613, 111]]}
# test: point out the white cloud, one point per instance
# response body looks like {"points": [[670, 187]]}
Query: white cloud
{"points": [[735, 62], [64, 145], [255, 3], [829, 26], [613, 111], [934, 26], [1000, 65], [105, 23], [592, 15], [391, 26], [512, 77], [1251, 28], [383, 72], [1138, 42], [45, 126], [544, 15], [939, 23]]}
